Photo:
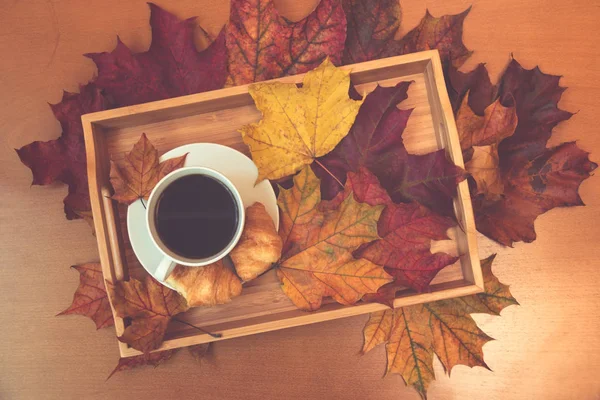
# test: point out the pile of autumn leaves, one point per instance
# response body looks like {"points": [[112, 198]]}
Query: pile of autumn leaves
{"points": [[503, 128], [517, 177], [341, 231]]}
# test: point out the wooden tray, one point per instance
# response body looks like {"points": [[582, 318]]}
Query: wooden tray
{"points": [[215, 117]]}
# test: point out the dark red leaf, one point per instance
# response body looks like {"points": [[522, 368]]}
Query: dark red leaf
{"points": [[375, 142], [372, 27], [476, 82], [171, 67], [549, 180], [406, 232], [63, 159], [372, 141], [536, 96], [263, 45], [430, 179], [536, 179]]}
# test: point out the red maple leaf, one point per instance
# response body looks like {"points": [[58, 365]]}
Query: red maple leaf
{"points": [[372, 28], [171, 67], [375, 142], [536, 97], [534, 94], [406, 232], [373, 24], [536, 178], [63, 159], [264, 45]]}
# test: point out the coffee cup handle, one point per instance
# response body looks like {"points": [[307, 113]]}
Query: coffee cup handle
{"points": [[164, 269]]}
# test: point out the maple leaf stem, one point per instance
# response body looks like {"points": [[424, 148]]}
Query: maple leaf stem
{"points": [[330, 173], [142, 200], [215, 335]]}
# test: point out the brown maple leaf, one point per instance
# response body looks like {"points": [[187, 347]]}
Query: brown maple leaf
{"points": [[140, 172], [497, 123], [263, 45], [406, 232], [373, 24], [413, 334], [150, 305], [317, 256], [63, 159], [171, 67], [444, 34], [90, 298], [479, 138]]}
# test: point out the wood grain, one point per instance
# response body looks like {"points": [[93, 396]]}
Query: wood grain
{"points": [[548, 348]]}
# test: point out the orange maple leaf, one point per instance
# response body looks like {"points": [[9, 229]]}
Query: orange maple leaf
{"points": [[140, 172], [317, 256], [413, 334]]}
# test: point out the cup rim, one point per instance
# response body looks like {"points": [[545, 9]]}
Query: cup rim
{"points": [[152, 203]]}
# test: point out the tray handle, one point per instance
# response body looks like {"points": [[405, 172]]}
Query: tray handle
{"points": [[117, 270]]}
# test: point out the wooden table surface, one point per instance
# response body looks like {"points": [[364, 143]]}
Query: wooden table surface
{"points": [[548, 348]]}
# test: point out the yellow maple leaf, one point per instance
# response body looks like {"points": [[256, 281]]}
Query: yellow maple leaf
{"points": [[299, 124], [483, 167]]}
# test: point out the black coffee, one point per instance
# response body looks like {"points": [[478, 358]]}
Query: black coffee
{"points": [[196, 216]]}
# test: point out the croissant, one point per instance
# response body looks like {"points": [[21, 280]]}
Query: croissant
{"points": [[205, 286], [259, 246]]}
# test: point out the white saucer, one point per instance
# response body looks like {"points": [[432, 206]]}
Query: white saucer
{"points": [[240, 170]]}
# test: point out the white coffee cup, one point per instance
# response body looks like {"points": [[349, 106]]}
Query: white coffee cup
{"points": [[170, 258]]}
